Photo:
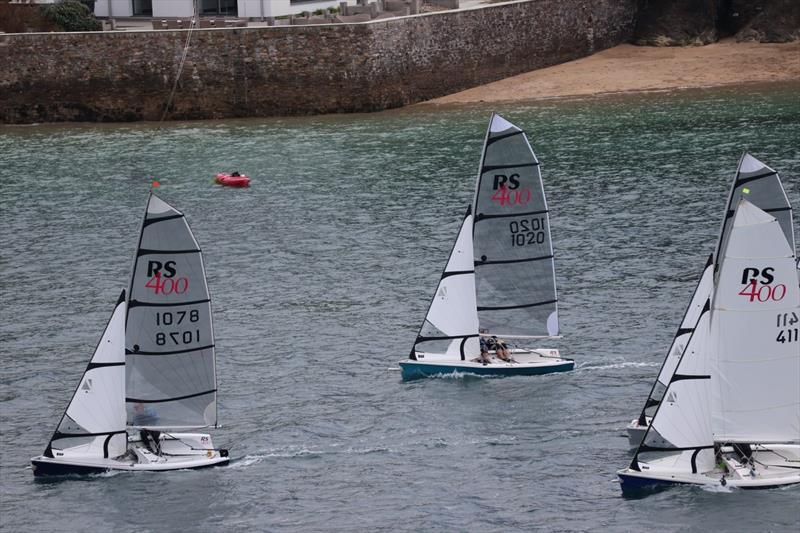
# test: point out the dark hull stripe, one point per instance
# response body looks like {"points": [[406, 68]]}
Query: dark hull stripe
{"points": [[175, 352], [503, 307], [457, 273], [500, 167], [175, 399], [149, 221], [137, 303], [145, 251], [92, 366], [508, 261], [683, 331], [481, 216]]}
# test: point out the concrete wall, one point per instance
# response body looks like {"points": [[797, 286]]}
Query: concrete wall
{"points": [[268, 71]]}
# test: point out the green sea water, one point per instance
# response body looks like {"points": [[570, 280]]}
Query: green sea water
{"points": [[320, 275]]}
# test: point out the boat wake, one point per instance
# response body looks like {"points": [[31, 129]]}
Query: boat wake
{"points": [[613, 366]]}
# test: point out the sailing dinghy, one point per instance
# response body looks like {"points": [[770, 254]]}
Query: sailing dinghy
{"points": [[152, 376], [499, 281], [762, 187], [730, 415]]}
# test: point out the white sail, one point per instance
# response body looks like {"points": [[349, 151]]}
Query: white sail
{"points": [[93, 424], [756, 306], [701, 295], [451, 324], [682, 422], [514, 266], [171, 375]]}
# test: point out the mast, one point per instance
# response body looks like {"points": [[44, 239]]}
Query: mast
{"points": [[514, 263], [451, 323]]}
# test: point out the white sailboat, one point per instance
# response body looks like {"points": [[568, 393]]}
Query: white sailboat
{"points": [[761, 185], [730, 414], [499, 281], [153, 371]]}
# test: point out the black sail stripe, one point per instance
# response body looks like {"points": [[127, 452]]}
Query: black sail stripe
{"points": [[742, 181], [149, 221], [92, 366], [137, 303], [175, 399], [681, 377], [731, 212], [421, 338], [489, 168], [504, 307], [457, 273], [481, 216], [59, 435], [492, 140], [508, 261], [145, 251], [174, 352]]}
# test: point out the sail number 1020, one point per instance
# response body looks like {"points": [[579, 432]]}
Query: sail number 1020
{"points": [[527, 231]]}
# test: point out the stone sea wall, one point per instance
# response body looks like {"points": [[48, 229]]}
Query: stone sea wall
{"points": [[269, 71]]}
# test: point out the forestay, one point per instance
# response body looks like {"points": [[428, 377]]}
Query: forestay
{"points": [[514, 268], [451, 324], [171, 376], [756, 309], [94, 423]]}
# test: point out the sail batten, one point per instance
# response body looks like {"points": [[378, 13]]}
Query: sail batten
{"points": [[170, 354], [514, 263]]}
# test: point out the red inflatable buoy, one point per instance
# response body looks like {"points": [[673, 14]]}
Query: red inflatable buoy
{"points": [[232, 180]]}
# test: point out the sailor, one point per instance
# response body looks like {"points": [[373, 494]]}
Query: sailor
{"points": [[484, 357], [146, 416]]}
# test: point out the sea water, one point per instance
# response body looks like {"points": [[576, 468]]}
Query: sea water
{"points": [[321, 273]]}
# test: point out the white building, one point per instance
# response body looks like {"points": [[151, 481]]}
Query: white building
{"points": [[255, 9]]}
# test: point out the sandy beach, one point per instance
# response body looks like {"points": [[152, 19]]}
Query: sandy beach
{"points": [[628, 68]]}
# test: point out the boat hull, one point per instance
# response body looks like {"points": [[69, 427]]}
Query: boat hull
{"points": [[636, 432], [773, 466], [527, 364], [179, 452]]}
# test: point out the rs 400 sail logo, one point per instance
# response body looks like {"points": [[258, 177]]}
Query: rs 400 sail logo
{"points": [[758, 285], [163, 280]]}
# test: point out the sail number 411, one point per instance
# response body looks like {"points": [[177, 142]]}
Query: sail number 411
{"points": [[789, 334]]}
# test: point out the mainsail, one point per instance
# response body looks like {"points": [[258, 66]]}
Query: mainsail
{"points": [[514, 268], [93, 424], [451, 324], [756, 318], [761, 186], [169, 339]]}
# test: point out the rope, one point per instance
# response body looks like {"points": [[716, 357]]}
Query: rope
{"points": [[195, 18]]}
